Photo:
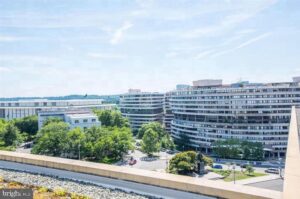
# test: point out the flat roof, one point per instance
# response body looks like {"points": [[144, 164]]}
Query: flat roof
{"points": [[78, 115]]}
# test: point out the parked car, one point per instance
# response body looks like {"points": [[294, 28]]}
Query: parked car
{"points": [[272, 170], [217, 166]]}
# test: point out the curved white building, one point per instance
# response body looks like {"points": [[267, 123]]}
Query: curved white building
{"points": [[168, 115], [142, 107], [209, 111]]}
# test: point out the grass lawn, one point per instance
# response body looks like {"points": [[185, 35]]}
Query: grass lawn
{"points": [[228, 174]]}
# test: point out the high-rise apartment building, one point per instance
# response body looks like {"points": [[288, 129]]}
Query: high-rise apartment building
{"points": [[168, 115], [210, 111], [22, 108], [142, 107]]}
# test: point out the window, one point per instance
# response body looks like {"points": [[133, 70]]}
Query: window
{"points": [[93, 120], [76, 121], [85, 120]]}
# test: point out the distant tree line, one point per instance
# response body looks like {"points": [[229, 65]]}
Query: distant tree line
{"points": [[14, 132], [238, 149]]}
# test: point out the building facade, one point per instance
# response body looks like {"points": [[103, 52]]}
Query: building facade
{"points": [[209, 111], [142, 107], [22, 108], [75, 118], [168, 115]]}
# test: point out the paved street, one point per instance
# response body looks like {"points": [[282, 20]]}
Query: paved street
{"points": [[105, 182], [276, 184], [157, 163]]}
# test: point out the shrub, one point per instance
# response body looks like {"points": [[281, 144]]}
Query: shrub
{"points": [[43, 189], [60, 192]]}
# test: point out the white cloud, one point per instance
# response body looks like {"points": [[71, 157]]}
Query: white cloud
{"points": [[11, 38], [4, 69], [118, 34], [244, 44], [230, 21], [204, 54], [106, 56], [253, 40]]}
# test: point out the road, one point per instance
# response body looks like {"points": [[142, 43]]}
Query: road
{"points": [[276, 185], [104, 182]]}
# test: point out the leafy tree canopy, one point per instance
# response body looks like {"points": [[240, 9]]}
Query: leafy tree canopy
{"points": [[27, 125], [183, 163], [238, 149], [111, 118], [150, 142]]}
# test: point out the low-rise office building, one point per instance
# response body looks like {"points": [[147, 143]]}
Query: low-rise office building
{"points": [[75, 118], [210, 111], [142, 107], [22, 108]]}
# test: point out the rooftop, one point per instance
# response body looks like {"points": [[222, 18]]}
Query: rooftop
{"points": [[78, 115]]}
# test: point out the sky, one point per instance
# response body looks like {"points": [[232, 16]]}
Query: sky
{"points": [[62, 47]]}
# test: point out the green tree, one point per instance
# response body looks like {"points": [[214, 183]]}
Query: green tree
{"points": [[155, 126], [183, 163], [150, 142], [167, 142], [207, 160], [183, 142], [75, 139], [28, 125], [52, 120], [10, 135], [237, 149], [111, 118], [52, 139], [249, 169]]}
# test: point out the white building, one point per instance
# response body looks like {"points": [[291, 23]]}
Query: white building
{"points": [[75, 118], [142, 107], [246, 111], [22, 108], [168, 115]]}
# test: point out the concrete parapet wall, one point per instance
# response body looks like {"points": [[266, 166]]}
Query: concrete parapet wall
{"points": [[292, 165], [183, 183]]}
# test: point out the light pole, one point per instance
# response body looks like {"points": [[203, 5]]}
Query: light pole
{"points": [[79, 151], [280, 168], [233, 167]]}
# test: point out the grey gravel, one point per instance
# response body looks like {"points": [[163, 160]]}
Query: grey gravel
{"points": [[91, 191]]}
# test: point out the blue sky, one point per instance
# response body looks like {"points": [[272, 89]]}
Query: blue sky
{"points": [[61, 47]]}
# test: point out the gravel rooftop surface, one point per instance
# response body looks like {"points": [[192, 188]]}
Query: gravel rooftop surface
{"points": [[92, 191]]}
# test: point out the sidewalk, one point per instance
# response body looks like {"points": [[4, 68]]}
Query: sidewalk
{"points": [[257, 179]]}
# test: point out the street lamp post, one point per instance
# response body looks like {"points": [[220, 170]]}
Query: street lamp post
{"points": [[233, 167], [79, 151], [280, 168]]}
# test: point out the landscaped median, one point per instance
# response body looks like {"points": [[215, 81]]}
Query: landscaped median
{"points": [[229, 175], [183, 183]]}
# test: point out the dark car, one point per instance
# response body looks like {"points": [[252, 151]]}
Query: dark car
{"points": [[272, 170], [217, 166]]}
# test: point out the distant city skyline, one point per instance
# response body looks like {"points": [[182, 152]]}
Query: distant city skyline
{"points": [[61, 47]]}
